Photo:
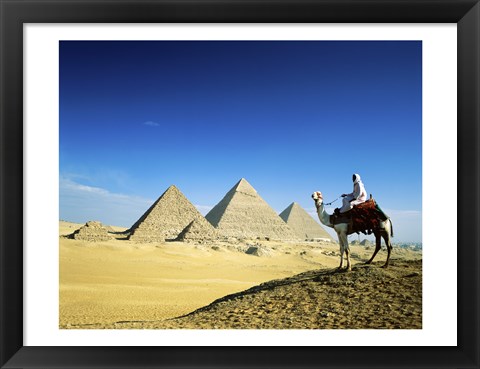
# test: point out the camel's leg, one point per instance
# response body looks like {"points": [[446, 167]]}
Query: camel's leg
{"points": [[378, 246], [341, 256], [343, 240], [347, 253], [386, 237], [340, 241]]}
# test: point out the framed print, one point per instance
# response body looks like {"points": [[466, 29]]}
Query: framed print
{"points": [[102, 102]]}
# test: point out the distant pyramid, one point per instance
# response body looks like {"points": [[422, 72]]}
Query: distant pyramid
{"points": [[242, 213], [302, 223], [166, 218], [366, 242], [198, 230]]}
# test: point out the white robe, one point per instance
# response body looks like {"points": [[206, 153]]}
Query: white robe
{"points": [[358, 195]]}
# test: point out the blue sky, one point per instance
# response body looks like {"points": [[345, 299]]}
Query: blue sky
{"points": [[291, 117]]}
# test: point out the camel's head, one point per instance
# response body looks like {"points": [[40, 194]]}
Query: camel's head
{"points": [[317, 197]]}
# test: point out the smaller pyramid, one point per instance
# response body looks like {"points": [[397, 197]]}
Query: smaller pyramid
{"points": [[259, 251], [304, 226], [92, 231], [198, 230], [166, 218]]}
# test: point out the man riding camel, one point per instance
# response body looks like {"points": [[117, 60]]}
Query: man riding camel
{"points": [[358, 196]]}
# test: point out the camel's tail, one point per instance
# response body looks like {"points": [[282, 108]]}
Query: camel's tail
{"points": [[391, 227]]}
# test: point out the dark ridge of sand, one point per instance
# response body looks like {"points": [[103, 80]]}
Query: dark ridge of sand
{"points": [[369, 297]]}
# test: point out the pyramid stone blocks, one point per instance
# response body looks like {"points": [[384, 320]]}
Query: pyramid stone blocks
{"points": [[242, 213], [166, 218], [198, 230], [92, 231]]}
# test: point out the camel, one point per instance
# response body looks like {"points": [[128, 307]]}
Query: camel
{"points": [[342, 229]]}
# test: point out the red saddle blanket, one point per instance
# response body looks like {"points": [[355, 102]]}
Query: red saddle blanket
{"points": [[365, 217]]}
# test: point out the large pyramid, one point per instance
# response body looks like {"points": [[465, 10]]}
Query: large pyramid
{"points": [[242, 213], [166, 218], [302, 223]]}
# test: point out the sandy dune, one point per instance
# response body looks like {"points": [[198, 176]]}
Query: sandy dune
{"points": [[117, 281]]}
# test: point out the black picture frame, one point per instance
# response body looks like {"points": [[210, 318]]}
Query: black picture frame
{"points": [[14, 13]]}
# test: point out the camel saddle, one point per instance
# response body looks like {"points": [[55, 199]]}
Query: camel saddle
{"points": [[365, 217]]}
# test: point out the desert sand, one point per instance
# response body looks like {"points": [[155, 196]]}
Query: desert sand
{"points": [[124, 284]]}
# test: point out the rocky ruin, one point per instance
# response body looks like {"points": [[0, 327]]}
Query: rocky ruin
{"points": [[92, 231]]}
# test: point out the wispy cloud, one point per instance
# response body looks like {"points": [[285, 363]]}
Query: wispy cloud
{"points": [[391, 212], [81, 203], [70, 185], [204, 209], [151, 123]]}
